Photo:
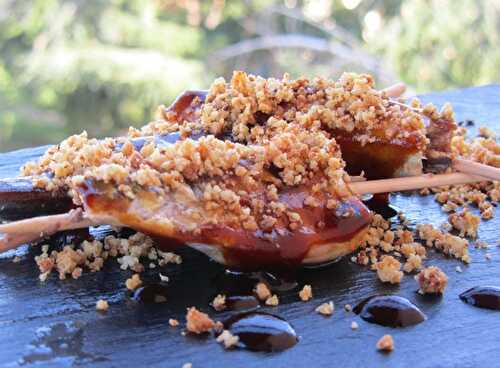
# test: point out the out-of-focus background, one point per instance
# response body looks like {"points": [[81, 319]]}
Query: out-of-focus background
{"points": [[103, 65]]}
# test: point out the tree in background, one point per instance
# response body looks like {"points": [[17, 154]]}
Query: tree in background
{"points": [[103, 65]]}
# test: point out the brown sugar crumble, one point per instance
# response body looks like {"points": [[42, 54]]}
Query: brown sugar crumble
{"points": [[227, 339], [102, 305], [432, 280], [388, 270], [262, 291], [326, 309], [219, 302], [133, 282], [198, 322], [465, 222], [306, 293], [272, 300], [385, 343]]}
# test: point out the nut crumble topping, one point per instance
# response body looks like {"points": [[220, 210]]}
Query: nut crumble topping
{"points": [[386, 343], [198, 322], [326, 309], [432, 280]]}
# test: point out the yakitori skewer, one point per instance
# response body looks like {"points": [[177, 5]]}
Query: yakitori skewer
{"points": [[251, 173], [25, 231]]}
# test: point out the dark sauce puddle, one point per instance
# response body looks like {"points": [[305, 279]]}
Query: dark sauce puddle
{"points": [[482, 297], [241, 303], [150, 294], [389, 310], [259, 331]]}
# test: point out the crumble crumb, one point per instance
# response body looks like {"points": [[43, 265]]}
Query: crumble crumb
{"points": [[218, 327], [102, 305], [163, 278], [133, 282], [306, 293], [487, 256], [16, 259], [432, 280], [228, 339], [465, 222], [354, 325], [198, 322], [272, 301], [326, 309], [388, 270], [480, 244], [458, 269], [187, 365], [173, 322], [219, 302], [262, 291], [348, 308], [386, 343]]}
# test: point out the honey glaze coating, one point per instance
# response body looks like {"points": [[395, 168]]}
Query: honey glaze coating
{"points": [[324, 233]]}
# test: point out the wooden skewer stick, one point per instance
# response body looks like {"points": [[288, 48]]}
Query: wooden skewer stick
{"points": [[476, 168], [20, 232], [395, 91], [413, 182]]}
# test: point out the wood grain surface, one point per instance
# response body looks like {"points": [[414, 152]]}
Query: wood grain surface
{"points": [[55, 323]]}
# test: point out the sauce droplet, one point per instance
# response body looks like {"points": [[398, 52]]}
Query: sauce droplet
{"points": [[482, 297], [150, 294], [261, 331], [389, 310], [242, 302]]}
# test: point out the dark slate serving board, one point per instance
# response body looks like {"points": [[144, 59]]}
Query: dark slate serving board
{"points": [[55, 323]]}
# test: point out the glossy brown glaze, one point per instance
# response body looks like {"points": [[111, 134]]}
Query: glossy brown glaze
{"points": [[389, 310], [19, 199], [241, 303], [261, 332], [242, 249], [482, 297], [378, 160]]}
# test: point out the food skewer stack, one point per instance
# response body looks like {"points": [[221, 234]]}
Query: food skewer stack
{"points": [[254, 169]]}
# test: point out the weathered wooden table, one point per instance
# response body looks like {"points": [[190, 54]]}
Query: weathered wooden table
{"points": [[55, 323]]}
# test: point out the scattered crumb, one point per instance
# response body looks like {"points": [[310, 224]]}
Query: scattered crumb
{"points": [[163, 278], [348, 308], [102, 305], [219, 302], [458, 269], [16, 259], [487, 256], [272, 300], [198, 322], [354, 325], [486, 132], [465, 222], [173, 322], [262, 291], [228, 339], [326, 309], [388, 270], [134, 282], [480, 244], [306, 293], [386, 343], [218, 327], [432, 280], [187, 365]]}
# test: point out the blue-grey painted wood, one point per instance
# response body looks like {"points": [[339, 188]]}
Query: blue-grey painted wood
{"points": [[33, 314]]}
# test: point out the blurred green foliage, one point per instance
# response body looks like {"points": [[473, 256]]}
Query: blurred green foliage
{"points": [[101, 66]]}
